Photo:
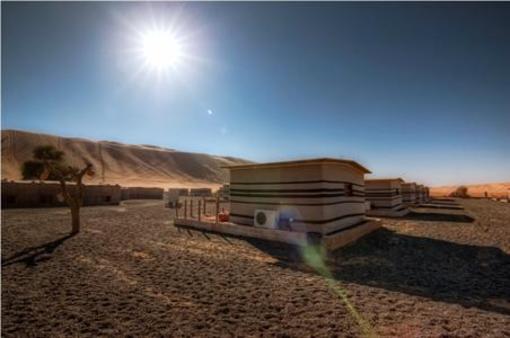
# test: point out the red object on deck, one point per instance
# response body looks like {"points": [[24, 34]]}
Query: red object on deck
{"points": [[223, 217]]}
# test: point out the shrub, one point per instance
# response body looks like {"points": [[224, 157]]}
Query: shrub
{"points": [[461, 191]]}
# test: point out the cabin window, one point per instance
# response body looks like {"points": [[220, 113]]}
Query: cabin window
{"points": [[397, 191], [107, 198], [348, 189]]}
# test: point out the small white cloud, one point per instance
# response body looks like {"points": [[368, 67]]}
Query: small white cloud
{"points": [[209, 111]]}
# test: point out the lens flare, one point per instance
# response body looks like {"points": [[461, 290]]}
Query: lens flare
{"points": [[314, 256]]}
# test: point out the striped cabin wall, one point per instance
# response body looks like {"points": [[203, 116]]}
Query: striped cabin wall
{"points": [[420, 193], [318, 197], [409, 193], [384, 194], [427, 193]]}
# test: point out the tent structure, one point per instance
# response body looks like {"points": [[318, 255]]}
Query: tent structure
{"points": [[385, 197]]}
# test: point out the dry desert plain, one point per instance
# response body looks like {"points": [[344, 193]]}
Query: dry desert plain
{"points": [[130, 272]]}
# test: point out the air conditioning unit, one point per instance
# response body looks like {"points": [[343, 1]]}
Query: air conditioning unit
{"points": [[266, 218]]}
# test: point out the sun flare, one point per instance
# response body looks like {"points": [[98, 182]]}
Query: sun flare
{"points": [[161, 49]]}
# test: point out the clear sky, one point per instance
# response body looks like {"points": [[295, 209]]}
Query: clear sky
{"points": [[418, 90]]}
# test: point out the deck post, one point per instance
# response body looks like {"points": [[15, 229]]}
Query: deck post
{"points": [[217, 209], [176, 209], [191, 208], [205, 205], [199, 210], [185, 209]]}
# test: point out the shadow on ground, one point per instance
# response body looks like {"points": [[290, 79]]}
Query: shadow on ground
{"points": [[437, 217], [472, 276], [33, 255], [440, 206]]}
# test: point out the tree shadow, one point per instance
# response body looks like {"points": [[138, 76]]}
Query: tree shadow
{"points": [[469, 275], [33, 255], [440, 206], [438, 217]]}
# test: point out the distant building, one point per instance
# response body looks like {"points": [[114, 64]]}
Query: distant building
{"points": [[178, 191], [385, 197], [25, 194], [203, 192], [224, 192], [135, 193], [174, 194]]}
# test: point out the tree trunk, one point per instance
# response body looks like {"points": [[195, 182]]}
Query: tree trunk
{"points": [[75, 215]]}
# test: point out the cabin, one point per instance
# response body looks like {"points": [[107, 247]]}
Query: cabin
{"points": [[315, 201], [427, 194], [385, 197], [409, 193], [32, 194], [136, 193], [420, 193]]}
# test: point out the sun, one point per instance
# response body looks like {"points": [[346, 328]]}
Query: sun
{"points": [[161, 49]]}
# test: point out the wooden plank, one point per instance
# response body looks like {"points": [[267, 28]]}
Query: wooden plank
{"points": [[290, 237], [330, 242], [335, 241]]}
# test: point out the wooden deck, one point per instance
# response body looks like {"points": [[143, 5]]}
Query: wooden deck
{"points": [[331, 242]]}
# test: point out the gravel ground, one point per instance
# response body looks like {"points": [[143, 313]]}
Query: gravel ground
{"points": [[434, 273]]}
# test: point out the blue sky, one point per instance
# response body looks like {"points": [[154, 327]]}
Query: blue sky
{"points": [[419, 90]]}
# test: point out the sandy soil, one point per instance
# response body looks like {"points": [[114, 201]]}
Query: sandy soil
{"points": [[435, 273]]}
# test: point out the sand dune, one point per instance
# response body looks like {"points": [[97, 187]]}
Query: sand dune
{"points": [[476, 190], [117, 163]]}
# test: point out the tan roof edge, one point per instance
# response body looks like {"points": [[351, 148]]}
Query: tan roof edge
{"points": [[300, 162]]}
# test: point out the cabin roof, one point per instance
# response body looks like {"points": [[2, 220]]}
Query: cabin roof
{"points": [[296, 163], [385, 179]]}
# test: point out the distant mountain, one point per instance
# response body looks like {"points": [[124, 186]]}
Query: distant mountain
{"points": [[117, 163], [476, 190]]}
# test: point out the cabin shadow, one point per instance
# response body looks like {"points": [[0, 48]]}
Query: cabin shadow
{"points": [[33, 255], [437, 217], [468, 275], [440, 206]]}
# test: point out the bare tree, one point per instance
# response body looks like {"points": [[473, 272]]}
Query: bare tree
{"points": [[49, 162]]}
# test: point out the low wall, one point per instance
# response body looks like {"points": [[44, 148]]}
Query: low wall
{"points": [[48, 194]]}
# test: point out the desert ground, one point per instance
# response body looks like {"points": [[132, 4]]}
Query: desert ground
{"points": [[130, 272]]}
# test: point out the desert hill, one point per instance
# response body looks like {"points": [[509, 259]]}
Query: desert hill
{"points": [[117, 163], [475, 190]]}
